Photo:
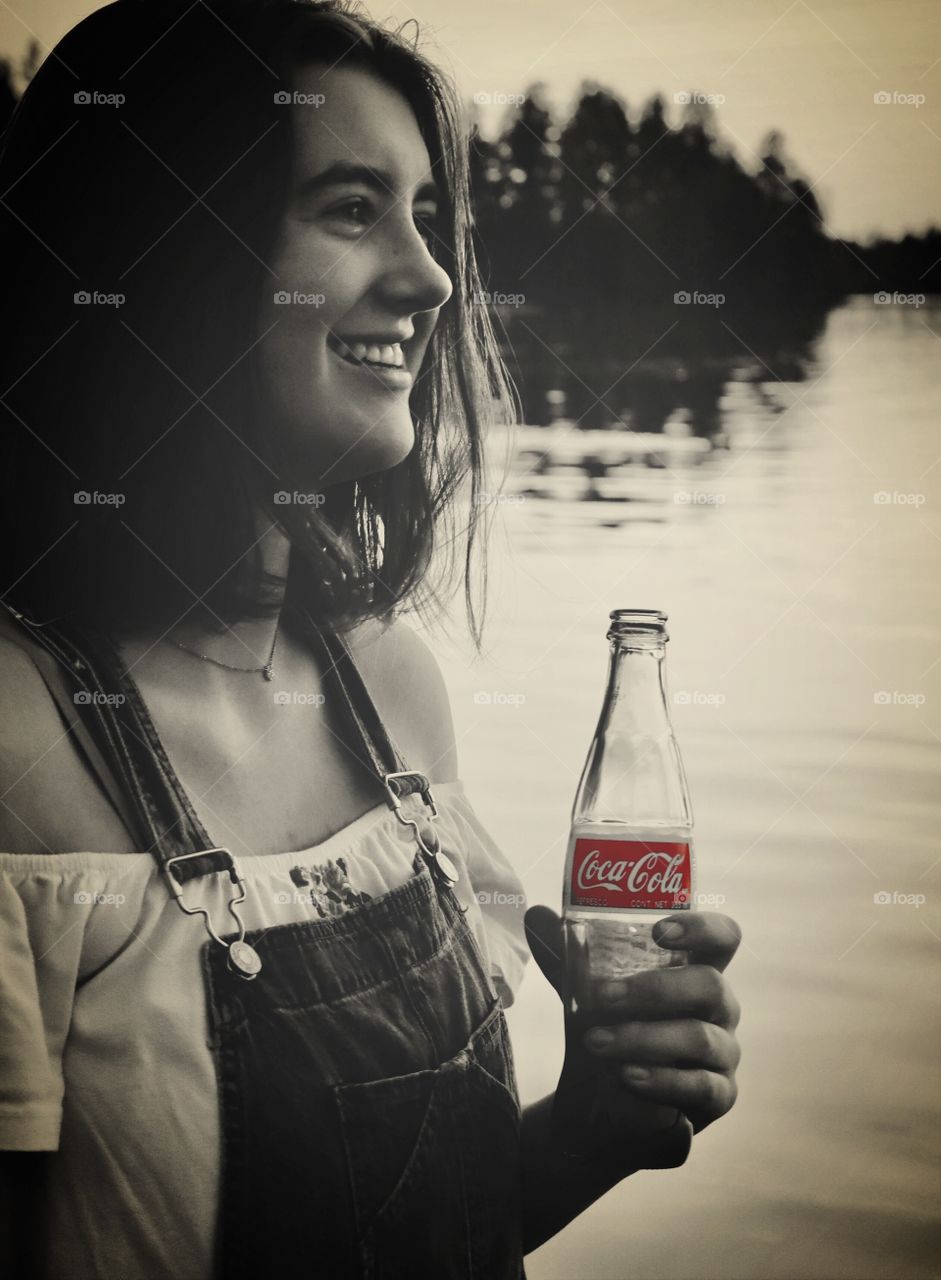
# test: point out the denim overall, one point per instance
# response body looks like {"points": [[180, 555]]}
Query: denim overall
{"points": [[369, 1107]]}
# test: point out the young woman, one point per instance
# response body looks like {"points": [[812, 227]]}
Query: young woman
{"points": [[246, 391]]}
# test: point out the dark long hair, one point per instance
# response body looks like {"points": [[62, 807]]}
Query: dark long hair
{"points": [[145, 169]]}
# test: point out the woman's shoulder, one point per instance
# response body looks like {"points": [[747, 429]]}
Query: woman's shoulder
{"points": [[27, 712], [45, 796], [404, 677], [27, 720]]}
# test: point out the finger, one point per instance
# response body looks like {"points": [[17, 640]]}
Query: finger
{"points": [[686, 1042], [708, 936], [663, 995], [707, 1092]]}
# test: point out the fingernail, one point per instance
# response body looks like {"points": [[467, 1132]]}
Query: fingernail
{"points": [[668, 932], [638, 1074], [600, 1038]]}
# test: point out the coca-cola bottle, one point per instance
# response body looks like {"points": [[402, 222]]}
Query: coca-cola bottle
{"points": [[629, 863]]}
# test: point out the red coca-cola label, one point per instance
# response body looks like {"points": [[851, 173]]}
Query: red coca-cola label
{"points": [[631, 875]]}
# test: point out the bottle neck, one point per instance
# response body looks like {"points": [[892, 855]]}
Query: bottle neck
{"points": [[634, 774], [636, 699]]}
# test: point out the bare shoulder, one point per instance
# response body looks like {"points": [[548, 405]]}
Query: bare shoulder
{"points": [[404, 677], [27, 711], [47, 801], [29, 723]]}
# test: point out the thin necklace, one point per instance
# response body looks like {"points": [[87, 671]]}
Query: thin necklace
{"points": [[267, 669]]}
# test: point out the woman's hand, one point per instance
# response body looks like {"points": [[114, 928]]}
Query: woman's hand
{"points": [[673, 1030]]}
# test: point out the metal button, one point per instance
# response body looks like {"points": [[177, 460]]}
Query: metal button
{"points": [[244, 959], [447, 867]]}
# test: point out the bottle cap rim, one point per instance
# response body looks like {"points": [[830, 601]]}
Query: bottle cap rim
{"points": [[644, 614], [647, 623]]}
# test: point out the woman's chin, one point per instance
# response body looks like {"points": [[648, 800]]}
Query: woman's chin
{"points": [[381, 449], [360, 449]]}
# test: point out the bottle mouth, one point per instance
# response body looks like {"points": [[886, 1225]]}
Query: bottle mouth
{"points": [[644, 624]]}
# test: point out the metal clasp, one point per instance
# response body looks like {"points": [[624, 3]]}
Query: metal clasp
{"points": [[426, 795], [242, 956], [436, 858]]}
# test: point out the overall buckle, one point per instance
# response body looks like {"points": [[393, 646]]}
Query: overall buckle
{"points": [[429, 844], [243, 959]]}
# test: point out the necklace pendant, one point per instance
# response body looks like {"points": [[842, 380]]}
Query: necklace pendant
{"points": [[268, 672]]}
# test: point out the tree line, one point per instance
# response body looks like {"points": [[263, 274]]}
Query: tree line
{"points": [[613, 245]]}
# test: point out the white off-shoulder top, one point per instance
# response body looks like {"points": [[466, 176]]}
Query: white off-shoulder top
{"points": [[103, 1035]]}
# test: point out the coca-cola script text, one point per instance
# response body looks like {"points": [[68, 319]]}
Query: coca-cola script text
{"points": [[630, 874]]}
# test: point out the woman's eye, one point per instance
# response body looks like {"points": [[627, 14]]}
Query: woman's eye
{"points": [[354, 211], [358, 213]]}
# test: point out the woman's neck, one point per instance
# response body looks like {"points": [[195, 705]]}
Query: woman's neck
{"points": [[245, 644]]}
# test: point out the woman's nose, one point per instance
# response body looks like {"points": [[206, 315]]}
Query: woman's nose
{"points": [[413, 278]]}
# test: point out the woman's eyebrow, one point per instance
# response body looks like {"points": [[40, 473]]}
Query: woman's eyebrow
{"points": [[344, 172]]}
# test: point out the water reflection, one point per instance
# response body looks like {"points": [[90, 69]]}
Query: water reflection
{"points": [[679, 457]]}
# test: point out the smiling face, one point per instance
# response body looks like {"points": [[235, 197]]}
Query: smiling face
{"points": [[348, 317]]}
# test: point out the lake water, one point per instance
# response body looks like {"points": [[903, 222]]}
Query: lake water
{"points": [[805, 624]]}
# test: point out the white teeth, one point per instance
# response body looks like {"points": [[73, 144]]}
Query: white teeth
{"points": [[390, 353]]}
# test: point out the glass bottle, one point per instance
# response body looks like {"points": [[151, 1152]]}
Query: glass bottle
{"points": [[629, 863]]}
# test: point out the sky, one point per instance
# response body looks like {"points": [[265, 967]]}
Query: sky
{"points": [[810, 70]]}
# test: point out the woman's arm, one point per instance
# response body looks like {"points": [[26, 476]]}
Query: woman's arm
{"points": [[555, 1188]]}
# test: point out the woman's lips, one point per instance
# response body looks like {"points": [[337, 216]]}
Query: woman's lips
{"points": [[394, 377]]}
